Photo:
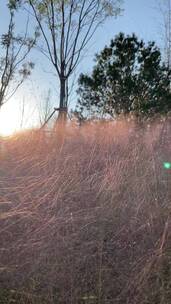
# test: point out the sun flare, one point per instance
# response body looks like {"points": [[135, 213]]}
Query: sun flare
{"points": [[9, 119]]}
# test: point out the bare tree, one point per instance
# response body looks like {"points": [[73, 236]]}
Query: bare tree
{"points": [[165, 9], [14, 68], [66, 27]]}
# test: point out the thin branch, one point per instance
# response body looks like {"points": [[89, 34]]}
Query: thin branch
{"points": [[43, 32]]}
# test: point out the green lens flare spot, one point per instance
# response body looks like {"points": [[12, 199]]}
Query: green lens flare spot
{"points": [[167, 165]]}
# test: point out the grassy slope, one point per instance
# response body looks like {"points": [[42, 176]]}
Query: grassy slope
{"points": [[88, 216]]}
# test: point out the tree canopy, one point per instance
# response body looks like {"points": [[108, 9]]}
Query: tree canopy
{"points": [[129, 76]]}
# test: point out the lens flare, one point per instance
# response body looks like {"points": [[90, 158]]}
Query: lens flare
{"points": [[167, 165]]}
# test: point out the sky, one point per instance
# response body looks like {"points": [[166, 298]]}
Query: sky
{"points": [[141, 17]]}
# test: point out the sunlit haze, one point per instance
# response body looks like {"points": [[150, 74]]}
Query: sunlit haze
{"points": [[17, 114], [9, 119]]}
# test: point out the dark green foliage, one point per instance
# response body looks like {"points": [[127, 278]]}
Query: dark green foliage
{"points": [[14, 4], [129, 76]]}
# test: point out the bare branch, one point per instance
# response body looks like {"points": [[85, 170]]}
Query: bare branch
{"points": [[13, 66], [67, 26]]}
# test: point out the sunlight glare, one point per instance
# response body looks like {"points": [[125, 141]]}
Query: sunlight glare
{"points": [[9, 118]]}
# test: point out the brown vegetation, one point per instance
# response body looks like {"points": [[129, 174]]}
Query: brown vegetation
{"points": [[86, 219]]}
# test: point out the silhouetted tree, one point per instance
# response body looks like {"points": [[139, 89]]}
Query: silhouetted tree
{"points": [[129, 76]]}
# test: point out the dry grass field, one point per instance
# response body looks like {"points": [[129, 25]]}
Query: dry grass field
{"points": [[85, 215]]}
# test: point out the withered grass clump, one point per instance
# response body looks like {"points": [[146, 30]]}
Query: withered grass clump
{"points": [[85, 215]]}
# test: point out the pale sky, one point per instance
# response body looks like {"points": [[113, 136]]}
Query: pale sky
{"points": [[140, 16]]}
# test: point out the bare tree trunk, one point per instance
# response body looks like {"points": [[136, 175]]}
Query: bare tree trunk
{"points": [[63, 109]]}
